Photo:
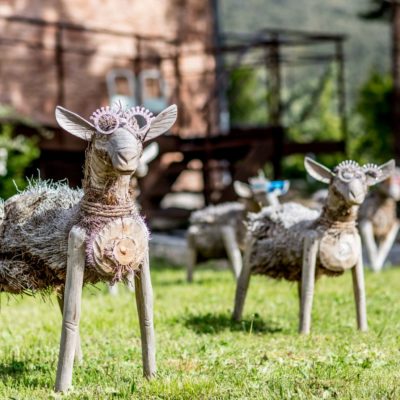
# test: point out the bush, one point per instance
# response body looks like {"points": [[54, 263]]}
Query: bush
{"points": [[17, 152], [371, 138]]}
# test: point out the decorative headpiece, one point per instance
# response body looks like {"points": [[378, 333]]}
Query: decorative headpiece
{"points": [[349, 169], [346, 165], [372, 170], [108, 119]]}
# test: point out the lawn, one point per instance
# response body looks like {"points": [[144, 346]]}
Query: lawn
{"points": [[201, 354]]}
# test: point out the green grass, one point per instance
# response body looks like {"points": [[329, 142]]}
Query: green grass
{"points": [[201, 354]]}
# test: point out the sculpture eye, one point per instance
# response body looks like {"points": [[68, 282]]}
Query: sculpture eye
{"points": [[347, 175], [372, 171], [105, 120], [138, 120]]}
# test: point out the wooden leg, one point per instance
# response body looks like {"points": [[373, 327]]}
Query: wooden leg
{"points": [[113, 289], [191, 260], [310, 252], [232, 250], [131, 283], [243, 281], [72, 308], [78, 349], [386, 246], [367, 233], [273, 199], [359, 293], [144, 302], [299, 296]]}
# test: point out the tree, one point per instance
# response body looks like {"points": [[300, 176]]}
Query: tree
{"points": [[389, 10]]}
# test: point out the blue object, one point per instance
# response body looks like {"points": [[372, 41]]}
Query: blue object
{"points": [[281, 187]]}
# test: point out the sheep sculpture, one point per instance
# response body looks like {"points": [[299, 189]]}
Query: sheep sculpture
{"points": [[219, 231], [378, 220], [296, 243], [53, 236]]}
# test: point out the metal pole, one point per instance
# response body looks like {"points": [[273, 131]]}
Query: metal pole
{"points": [[60, 73], [274, 82], [341, 87]]}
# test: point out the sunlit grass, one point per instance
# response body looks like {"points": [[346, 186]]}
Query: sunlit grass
{"points": [[201, 353]]}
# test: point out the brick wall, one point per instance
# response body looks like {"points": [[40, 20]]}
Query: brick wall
{"points": [[29, 74]]}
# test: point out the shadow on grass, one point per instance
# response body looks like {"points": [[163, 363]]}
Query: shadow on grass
{"points": [[162, 265], [12, 369], [215, 323]]}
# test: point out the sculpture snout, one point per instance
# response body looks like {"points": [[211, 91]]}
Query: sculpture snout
{"points": [[126, 160], [356, 193]]}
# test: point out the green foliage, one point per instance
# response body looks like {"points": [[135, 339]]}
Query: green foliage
{"points": [[311, 114], [201, 353], [247, 97], [370, 125], [20, 151], [367, 42], [309, 110]]}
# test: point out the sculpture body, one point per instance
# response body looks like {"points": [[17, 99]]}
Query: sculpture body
{"points": [[219, 231], [52, 235], [378, 220], [295, 243]]}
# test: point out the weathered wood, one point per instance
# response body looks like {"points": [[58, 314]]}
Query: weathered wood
{"points": [[78, 349], [385, 247], [232, 250], [359, 292], [219, 231], [310, 253], [367, 233], [97, 235], [72, 308], [191, 260], [378, 220], [243, 281], [299, 297], [299, 244], [144, 302], [123, 241]]}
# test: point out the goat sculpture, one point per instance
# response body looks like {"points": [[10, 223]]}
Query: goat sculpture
{"points": [[219, 231], [299, 244], [53, 236], [378, 220]]}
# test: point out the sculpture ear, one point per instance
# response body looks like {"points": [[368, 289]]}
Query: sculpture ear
{"points": [[317, 170], [379, 174], [242, 189], [150, 153], [74, 124], [162, 123]]}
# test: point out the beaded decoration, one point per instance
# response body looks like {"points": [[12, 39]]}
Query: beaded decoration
{"points": [[108, 119]]}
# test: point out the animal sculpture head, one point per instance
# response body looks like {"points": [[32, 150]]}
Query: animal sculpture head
{"points": [[116, 136], [391, 186], [349, 181], [261, 191]]}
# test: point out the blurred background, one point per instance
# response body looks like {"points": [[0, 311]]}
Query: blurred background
{"points": [[258, 84]]}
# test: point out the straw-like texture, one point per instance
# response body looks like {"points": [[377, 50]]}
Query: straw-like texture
{"points": [[381, 210], [204, 233], [278, 235], [34, 236]]}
